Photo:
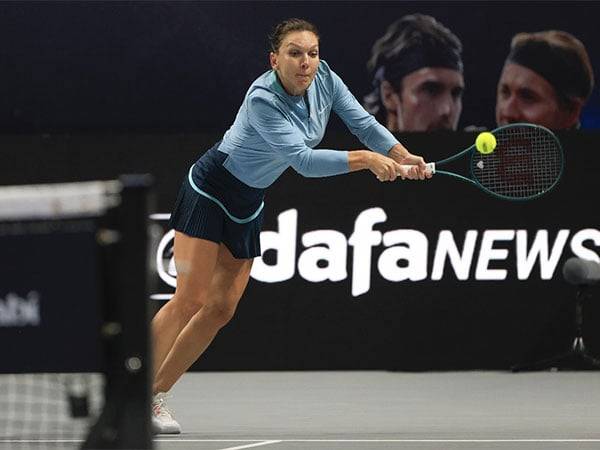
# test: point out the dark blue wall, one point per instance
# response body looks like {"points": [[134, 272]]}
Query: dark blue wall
{"points": [[183, 66]]}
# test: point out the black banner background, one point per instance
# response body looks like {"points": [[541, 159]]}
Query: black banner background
{"points": [[53, 268], [297, 324]]}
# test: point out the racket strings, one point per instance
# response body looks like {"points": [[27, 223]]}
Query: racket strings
{"points": [[526, 163]]}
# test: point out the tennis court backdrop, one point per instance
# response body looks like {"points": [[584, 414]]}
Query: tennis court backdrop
{"points": [[355, 273], [358, 274]]}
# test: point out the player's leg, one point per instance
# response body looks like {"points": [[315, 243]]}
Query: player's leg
{"points": [[228, 283], [195, 261]]}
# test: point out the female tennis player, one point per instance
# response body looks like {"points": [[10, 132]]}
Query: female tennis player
{"points": [[218, 214]]}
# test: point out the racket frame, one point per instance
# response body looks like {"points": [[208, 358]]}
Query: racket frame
{"points": [[432, 166]]}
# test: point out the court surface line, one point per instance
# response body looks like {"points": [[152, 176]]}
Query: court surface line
{"points": [[388, 440], [256, 444]]}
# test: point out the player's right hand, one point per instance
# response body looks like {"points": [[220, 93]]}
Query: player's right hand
{"points": [[384, 168], [411, 172]]}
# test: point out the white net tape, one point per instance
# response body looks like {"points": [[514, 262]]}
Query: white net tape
{"points": [[58, 201]]}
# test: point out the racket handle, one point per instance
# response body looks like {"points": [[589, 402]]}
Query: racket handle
{"points": [[429, 167]]}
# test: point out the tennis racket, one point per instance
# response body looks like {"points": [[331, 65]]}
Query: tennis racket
{"points": [[526, 163]]}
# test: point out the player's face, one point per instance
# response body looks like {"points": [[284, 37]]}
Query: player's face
{"points": [[430, 99], [296, 61], [525, 96]]}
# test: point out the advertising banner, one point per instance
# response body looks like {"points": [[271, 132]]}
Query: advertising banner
{"points": [[359, 274]]}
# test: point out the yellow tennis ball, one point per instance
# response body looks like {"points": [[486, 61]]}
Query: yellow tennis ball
{"points": [[485, 142]]}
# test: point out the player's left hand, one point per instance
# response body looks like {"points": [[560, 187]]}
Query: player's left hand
{"points": [[402, 156]]}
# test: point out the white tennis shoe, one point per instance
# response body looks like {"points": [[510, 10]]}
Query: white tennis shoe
{"points": [[162, 418]]}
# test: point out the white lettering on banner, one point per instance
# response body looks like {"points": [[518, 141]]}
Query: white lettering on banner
{"points": [[461, 263], [362, 239], [17, 311], [334, 253], [488, 253], [405, 253], [284, 243], [413, 250], [164, 252], [588, 234], [539, 252]]}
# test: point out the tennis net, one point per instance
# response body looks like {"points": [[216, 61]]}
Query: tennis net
{"points": [[74, 315]]}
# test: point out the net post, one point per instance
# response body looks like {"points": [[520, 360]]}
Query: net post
{"points": [[125, 421]]}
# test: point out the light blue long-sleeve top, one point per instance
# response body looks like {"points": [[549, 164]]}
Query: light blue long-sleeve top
{"points": [[274, 130]]}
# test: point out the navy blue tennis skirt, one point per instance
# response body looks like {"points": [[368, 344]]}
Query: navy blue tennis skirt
{"points": [[214, 205]]}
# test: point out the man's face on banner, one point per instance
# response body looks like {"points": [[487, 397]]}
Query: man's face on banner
{"points": [[525, 96], [429, 99]]}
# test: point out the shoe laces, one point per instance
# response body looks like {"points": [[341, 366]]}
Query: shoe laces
{"points": [[159, 407]]}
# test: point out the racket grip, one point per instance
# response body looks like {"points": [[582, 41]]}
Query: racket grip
{"points": [[429, 167]]}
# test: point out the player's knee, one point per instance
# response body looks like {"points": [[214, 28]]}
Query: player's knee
{"points": [[221, 313], [189, 306]]}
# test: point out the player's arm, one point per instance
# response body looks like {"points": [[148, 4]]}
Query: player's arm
{"points": [[360, 123], [281, 135], [385, 168], [372, 133], [277, 130]]}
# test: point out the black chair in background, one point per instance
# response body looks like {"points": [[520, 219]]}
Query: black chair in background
{"points": [[581, 273]]}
